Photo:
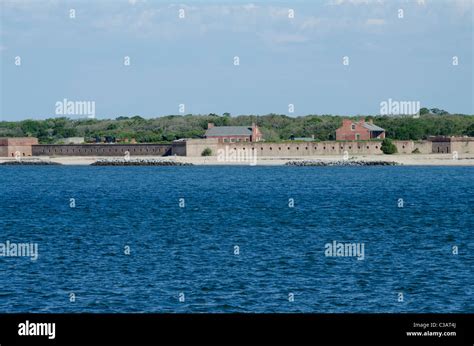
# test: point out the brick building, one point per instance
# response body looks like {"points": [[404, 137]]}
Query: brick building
{"points": [[361, 130], [232, 134], [11, 147]]}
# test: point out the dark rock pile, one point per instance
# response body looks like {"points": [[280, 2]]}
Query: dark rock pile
{"points": [[340, 163], [138, 162], [29, 163]]}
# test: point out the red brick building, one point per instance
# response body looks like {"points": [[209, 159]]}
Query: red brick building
{"points": [[232, 134], [361, 130], [21, 146]]}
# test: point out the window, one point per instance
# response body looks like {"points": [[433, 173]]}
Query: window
{"points": [[353, 127], [357, 136], [226, 140]]}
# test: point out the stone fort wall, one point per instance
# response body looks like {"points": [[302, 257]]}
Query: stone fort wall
{"points": [[195, 147], [9, 147], [101, 149], [292, 149], [461, 145]]}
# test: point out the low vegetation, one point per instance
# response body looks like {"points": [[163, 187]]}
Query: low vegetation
{"points": [[206, 152], [388, 147], [275, 127]]}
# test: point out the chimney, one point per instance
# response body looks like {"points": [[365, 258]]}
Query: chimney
{"points": [[371, 121], [254, 133], [312, 136], [210, 125]]}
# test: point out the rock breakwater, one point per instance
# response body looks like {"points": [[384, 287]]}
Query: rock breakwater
{"points": [[139, 162], [340, 163], [30, 163]]}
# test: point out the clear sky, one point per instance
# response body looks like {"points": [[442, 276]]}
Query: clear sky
{"points": [[190, 60]]}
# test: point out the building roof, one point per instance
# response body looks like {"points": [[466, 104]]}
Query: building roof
{"points": [[372, 127], [229, 131], [450, 139], [305, 139]]}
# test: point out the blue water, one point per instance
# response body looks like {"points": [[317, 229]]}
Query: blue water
{"points": [[190, 250]]}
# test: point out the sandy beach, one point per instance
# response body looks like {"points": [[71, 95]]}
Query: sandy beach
{"points": [[406, 160]]}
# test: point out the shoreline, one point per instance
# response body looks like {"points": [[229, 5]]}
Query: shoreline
{"points": [[401, 159]]}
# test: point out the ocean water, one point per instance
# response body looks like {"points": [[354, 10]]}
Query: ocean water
{"points": [[236, 245]]}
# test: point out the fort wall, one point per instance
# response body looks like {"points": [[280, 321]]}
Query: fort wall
{"points": [[444, 145], [195, 147], [293, 149], [101, 149], [463, 146], [22, 146]]}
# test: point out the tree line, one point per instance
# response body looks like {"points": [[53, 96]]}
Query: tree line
{"points": [[275, 127]]}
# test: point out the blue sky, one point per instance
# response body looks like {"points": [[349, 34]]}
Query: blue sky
{"points": [[190, 60]]}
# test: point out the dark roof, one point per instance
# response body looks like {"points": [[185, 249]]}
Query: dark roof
{"points": [[305, 139], [229, 131], [372, 127]]}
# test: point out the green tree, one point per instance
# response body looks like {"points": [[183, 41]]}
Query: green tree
{"points": [[388, 147], [424, 111], [470, 130], [206, 152]]}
